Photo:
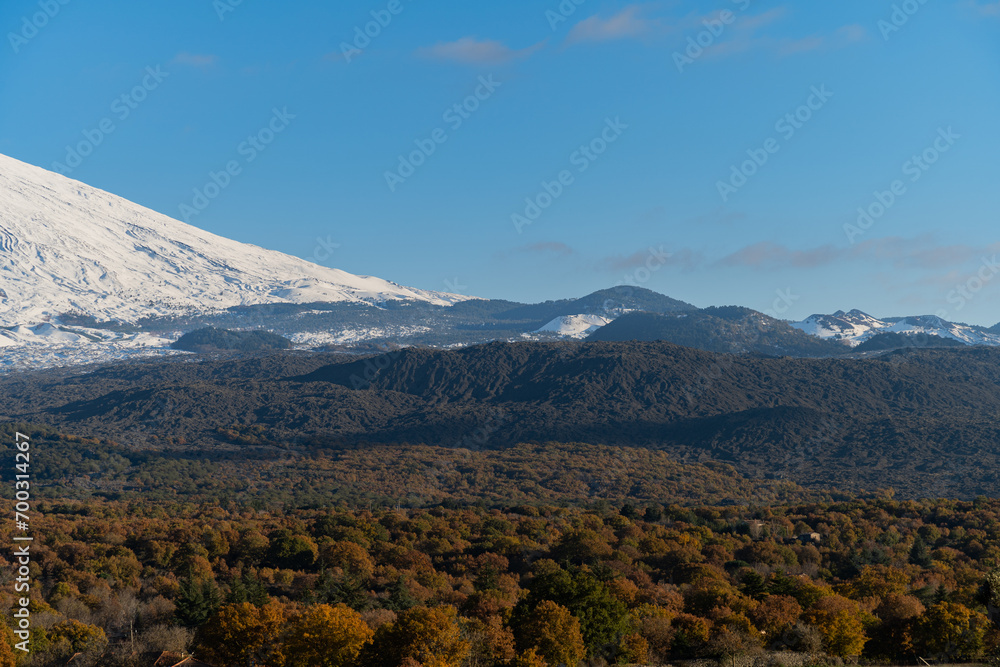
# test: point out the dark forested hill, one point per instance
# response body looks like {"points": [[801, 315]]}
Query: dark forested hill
{"points": [[729, 329], [211, 339], [919, 420]]}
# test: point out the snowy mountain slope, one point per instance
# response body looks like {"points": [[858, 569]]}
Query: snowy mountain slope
{"points": [[935, 326], [856, 327], [574, 326], [46, 345], [67, 247], [840, 325]]}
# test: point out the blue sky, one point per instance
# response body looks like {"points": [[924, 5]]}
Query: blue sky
{"points": [[643, 129]]}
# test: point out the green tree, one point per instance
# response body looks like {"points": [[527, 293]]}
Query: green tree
{"points": [[197, 601], [920, 553], [247, 588], [989, 594], [603, 618], [292, 552], [951, 630], [753, 585]]}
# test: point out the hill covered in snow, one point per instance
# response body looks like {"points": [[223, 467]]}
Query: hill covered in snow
{"points": [[66, 247]]}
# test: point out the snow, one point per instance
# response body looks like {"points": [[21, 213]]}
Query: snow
{"points": [[856, 327], [46, 345], [313, 339], [574, 326], [67, 247]]}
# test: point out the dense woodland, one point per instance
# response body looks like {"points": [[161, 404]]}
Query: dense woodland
{"points": [[512, 505], [921, 420], [519, 585], [257, 471]]}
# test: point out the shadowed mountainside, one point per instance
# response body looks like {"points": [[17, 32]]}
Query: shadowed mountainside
{"points": [[915, 419]]}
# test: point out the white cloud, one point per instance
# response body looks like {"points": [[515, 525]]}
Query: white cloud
{"points": [[475, 51], [625, 24], [195, 60], [989, 9]]}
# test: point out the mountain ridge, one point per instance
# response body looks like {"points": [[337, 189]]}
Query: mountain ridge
{"points": [[71, 248], [86, 275]]}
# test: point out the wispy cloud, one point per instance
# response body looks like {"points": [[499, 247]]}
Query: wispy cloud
{"points": [[769, 255], [842, 37], [747, 32], [987, 9], [195, 59], [754, 22], [471, 50], [720, 216], [547, 247], [623, 25], [684, 258], [922, 253], [751, 33], [852, 33]]}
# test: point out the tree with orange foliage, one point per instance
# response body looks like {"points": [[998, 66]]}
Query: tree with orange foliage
{"points": [[839, 620], [239, 635], [82, 637], [633, 649], [350, 557], [893, 637], [554, 633], [775, 614], [492, 643], [325, 636], [430, 636], [529, 658], [951, 631], [6, 647], [655, 626], [690, 634], [877, 581]]}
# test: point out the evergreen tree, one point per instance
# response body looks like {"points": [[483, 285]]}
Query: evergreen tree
{"points": [[920, 553], [197, 601], [247, 588]]}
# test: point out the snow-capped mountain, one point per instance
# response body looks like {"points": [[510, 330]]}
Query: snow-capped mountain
{"points": [[855, 327], [66, 247], [574, 326], [849, 326]]}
